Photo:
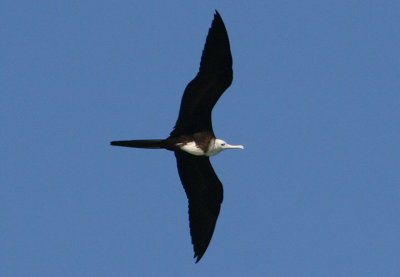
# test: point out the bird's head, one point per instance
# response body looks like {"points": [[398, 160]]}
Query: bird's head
{"points": [[220, 145]]}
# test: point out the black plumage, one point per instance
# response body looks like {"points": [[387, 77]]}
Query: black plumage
{"points": [[214, 77], [205, 194], [193, 139]]}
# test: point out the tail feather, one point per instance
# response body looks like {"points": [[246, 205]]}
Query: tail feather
{"points": [[145, 143]]}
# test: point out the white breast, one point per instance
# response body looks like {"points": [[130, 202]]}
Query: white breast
{"points": [[192, 148], [213, 151]]}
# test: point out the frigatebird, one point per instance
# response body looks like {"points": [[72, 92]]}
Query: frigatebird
{"points": [[193, 139]]}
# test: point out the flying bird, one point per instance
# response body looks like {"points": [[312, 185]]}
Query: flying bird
{"points": [[193, 140]]}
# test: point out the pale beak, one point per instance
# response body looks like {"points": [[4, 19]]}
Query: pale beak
{"points": [[228, 146]]}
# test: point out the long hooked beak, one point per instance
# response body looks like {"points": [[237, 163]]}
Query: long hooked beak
{"points": [[228, 146]]}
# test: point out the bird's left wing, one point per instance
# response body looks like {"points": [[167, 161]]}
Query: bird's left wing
{"points": [[205, 194], [214, 77]]}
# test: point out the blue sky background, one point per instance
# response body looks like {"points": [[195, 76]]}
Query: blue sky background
{"points": [[315, 100]]}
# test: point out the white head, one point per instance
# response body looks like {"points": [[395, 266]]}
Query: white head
{"points": [[220, 145]]}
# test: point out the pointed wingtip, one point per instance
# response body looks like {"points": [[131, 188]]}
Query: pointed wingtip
{"points": [[217, 14], [197, 257]]}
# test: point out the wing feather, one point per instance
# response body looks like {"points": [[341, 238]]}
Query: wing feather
{"points": [[214, 77], [205, 194]]}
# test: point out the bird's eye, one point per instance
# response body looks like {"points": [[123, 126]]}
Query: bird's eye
{"points": [[222, 144]]}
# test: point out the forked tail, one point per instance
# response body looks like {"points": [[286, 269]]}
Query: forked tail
{"points": [[145, 143]]}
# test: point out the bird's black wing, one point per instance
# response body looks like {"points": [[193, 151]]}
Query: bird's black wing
{"points": [[205, 194], [214, 77]]}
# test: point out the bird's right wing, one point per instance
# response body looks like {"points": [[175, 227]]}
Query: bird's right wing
{"points": [[214, 77], [205, 194]]}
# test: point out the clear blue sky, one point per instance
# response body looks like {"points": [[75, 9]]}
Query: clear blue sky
{"points": [[315, 100]]}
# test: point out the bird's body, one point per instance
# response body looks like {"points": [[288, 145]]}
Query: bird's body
{"points": [[193, 140], [198, 144]]}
